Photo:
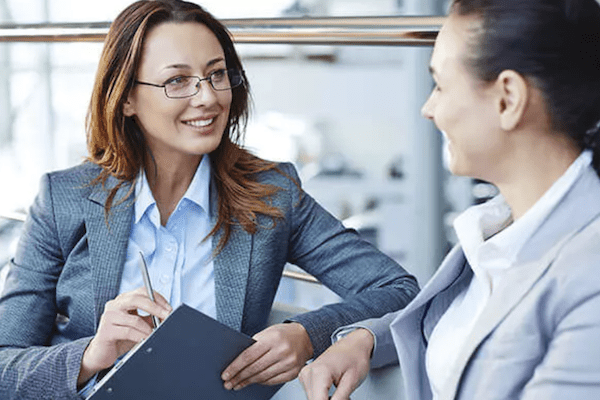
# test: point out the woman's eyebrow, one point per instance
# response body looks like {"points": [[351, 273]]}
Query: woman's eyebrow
{"points": [[186, 66], [215, 61]]}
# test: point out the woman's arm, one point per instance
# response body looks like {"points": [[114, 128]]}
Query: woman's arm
{"points": [[29, 366], [371, 283], [39, 356]]}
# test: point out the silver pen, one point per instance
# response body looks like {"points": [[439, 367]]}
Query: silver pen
{"points": [[146, 278]]}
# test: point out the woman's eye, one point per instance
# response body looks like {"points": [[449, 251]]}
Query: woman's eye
{"points": [[176, 81], [218, 75]]}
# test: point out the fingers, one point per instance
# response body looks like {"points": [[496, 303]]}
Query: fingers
{"points": [[244, 365], [114, 317], [345, 364], [138, 300], [277, 357], [121, 327], [269, 369], [348, 383]]}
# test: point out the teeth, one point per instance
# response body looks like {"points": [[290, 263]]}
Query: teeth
{"points": [[200, 123]]}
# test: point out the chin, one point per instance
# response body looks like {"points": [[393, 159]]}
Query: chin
{"points": [[207, 145]]}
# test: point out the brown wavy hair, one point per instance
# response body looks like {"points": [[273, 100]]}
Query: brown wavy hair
{"points": [[116, 143]]}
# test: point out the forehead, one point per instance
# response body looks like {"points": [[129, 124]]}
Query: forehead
{"points": [[452, 42], [189, 43]]}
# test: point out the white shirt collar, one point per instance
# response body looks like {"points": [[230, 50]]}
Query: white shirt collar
{"points": [[197, 192], [478, 223]]}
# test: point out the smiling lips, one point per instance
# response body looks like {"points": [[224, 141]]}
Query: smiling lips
{"points": [[200, 123]]}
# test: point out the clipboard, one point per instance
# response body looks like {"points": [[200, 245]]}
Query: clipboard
{"points": [[182, 359]]}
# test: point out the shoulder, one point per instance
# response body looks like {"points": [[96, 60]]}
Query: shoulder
{"points": [[281, 175], [68, 184], [79, 175]]}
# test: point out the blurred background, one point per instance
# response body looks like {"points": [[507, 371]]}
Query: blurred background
{"points": [[348, 116]]}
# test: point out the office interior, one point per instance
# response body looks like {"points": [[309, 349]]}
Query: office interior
{"points": [[337, 89]]}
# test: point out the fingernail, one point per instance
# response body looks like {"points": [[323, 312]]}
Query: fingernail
{"points": [[225, 376], [238, 387], [227, 385]]}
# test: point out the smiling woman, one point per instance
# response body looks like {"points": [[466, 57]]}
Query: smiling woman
{"points": [[168, 178], [178, 131]]}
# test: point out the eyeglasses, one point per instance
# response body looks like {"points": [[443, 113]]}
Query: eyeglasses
{"points": [[181, 87]]}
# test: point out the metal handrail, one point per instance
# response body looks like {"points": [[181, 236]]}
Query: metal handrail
{"points": [[14, 215], [380, 31]]}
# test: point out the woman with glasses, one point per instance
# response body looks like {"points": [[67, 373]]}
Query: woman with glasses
{"points": [[513, 312], [168, 180]]}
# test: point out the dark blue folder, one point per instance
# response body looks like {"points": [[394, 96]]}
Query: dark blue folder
{"points": [[182, 359]]}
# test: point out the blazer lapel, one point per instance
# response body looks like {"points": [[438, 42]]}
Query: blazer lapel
{"points": [[445, 276], [506, 297], [565, 221], [417, 310], [411, 327], [107, 243], [231, 268]]}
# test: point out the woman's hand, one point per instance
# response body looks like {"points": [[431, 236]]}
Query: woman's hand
{"points": [[278, 355], [345, 364], [120, 329]]}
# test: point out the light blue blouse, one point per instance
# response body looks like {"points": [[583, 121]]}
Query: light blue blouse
{"points": [[178, 255]]}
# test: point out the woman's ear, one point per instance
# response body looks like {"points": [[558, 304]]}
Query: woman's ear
{"points": [[128, 107], [513, 97]]}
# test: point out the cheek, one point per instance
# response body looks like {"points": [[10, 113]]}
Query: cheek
{"points": [[226, 101]]}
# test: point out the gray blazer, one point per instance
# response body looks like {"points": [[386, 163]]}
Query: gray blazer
{"points": [[539, 335], [69, 263]]}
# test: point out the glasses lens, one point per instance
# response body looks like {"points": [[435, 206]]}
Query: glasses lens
{"points": [[225, 79], [234, 78], [183, 86], [220, 80]]}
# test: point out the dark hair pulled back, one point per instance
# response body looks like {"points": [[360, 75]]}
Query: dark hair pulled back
{"points": [[553, 43]]}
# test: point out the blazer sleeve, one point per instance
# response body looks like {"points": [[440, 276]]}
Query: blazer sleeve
{"points": [[371, 283], [30, 366], [384, 349]]}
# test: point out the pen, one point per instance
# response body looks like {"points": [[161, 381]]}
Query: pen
{"points": [[146, 277]]}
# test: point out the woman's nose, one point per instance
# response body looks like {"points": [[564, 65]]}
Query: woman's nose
{"points": [[206, 95], [427, 109]]}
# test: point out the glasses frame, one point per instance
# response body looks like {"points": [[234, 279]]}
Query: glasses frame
{"points": [[209, 78]]}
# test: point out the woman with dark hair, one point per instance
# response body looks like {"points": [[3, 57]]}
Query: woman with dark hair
{"points": [[512, 312], [167, 178]]}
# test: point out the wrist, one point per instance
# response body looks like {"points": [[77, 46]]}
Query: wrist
{"points": [[306, 342], [362, 339], [88, 367]]}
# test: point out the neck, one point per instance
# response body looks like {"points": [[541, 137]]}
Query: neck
{"points": [[534, 169], [169, 180]]}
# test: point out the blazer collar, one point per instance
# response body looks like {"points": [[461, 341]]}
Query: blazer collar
{"points": [[107, 240], [578, 209]]}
